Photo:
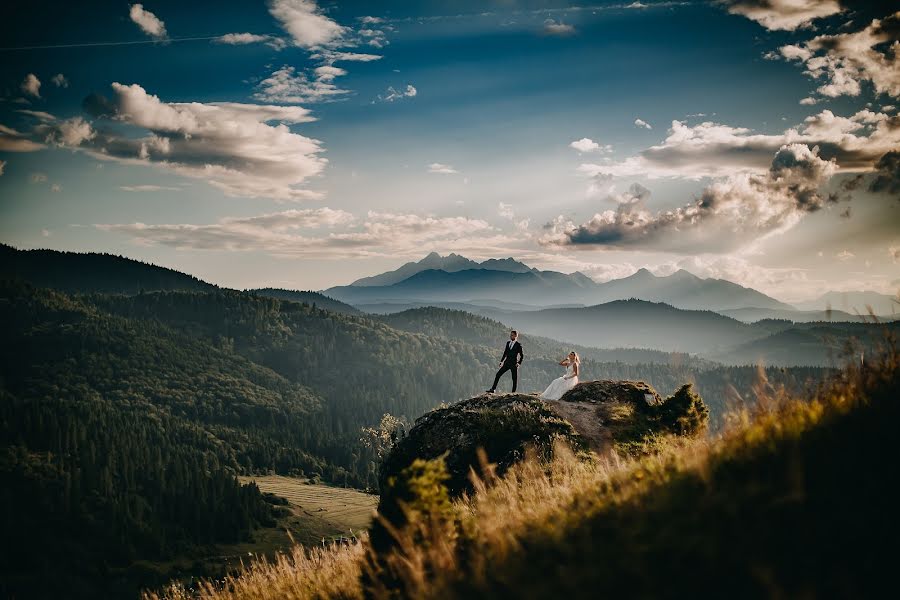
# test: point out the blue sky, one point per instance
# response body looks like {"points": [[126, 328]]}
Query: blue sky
{"points": [[303, 144]]}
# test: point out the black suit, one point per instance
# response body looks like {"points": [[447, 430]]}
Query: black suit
{"points": [[510, 361]]}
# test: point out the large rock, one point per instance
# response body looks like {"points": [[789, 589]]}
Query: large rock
{"points": [[598, 415], [502, 425]]}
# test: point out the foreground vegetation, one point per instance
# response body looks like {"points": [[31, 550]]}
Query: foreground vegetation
{"points": [[789, 500]]}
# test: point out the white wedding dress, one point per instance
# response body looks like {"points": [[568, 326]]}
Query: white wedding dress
{"points": [[561, 385]]}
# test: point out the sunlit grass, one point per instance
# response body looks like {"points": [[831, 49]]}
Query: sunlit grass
{"points": [[546, 528]]}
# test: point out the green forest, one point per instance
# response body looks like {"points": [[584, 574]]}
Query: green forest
{"points": [[125, 418]]}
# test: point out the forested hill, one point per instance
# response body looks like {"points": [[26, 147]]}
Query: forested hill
{"points": [[308, 297], [476, 329], [77, 272], [123, 419], [120, 440]]}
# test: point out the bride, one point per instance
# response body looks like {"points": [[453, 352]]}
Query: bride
{"points": [[561, 385]]}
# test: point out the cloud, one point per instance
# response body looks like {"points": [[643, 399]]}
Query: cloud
{"points": [[586, 145], [846, 60], [15, 141], [894, 253], [38, 114], [441, 169], [784, 15], [307, 25], [245, 150], [887, 174], [370, 20], [844, 255], [729, 214], [642, 123], [69, 132], [31, 85], [329, 57], [552, 27], [506, 211], [60, 81], [287, 86], [290, 233], [373, 37], [393, 94], [147, 21], [56, 188], [45, 233], [38, 178], [148, 188], [711, 149], [243, 39]]}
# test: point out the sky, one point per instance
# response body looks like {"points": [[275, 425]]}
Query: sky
{"points": [[304, 144]]}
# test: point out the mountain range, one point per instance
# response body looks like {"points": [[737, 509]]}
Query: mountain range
{"points": [[457, 279]]}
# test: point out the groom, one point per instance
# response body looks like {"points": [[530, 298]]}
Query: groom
{"points": [[510, 361]]}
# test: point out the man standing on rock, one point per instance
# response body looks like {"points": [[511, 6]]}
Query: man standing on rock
{"points": [[510, 361]]}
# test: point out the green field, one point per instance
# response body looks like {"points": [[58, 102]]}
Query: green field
{"points": [[344, 509]]}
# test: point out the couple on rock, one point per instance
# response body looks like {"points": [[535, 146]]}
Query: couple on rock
{"points": [[512, 359]]}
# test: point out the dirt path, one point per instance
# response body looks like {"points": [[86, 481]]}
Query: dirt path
{"points": [[585, 419]]}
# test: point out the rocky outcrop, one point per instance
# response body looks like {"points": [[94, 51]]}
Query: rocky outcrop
{"points": [[597, 415], [502, 425]]}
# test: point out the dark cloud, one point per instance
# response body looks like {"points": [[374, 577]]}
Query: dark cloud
{"points": [[887, 178]]}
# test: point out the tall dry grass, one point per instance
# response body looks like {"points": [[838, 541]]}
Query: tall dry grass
{"points": [[488, 539]]}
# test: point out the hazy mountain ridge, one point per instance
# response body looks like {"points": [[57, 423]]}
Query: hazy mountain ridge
{"points": [[455, 278], [854, 302]]}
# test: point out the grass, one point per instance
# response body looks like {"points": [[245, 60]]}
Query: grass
{"points": [[345, 510], [790, 500]]}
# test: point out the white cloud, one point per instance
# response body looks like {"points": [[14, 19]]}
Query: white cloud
{"points": [[45, 233], [59, 80], [371, 20], [711, 149], [289, 233], [31, 85], [245, 150], [844, 255], [506, 211], [148, 188], [147, 21], [846, 60], [329, 57], [785, 15], [552, 27], [736, 212], [441, 169], [373, 37], [56, 188], [586, 145], [70, 132], [393, 94], [243, 39], [808, 101], [38, 178], [287, 86], [15, 141], [38, 114], [642, 123], [308, 26]]}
